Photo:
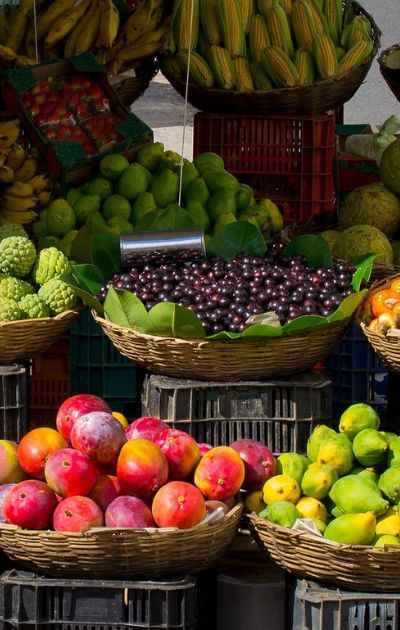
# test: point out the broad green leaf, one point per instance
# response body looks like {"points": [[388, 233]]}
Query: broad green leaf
{"points": [[81, 248], [114, 309], [241, 237], [313, 247], [170, 319], [147, 222], [135, 311], [303, 323], [363, 271], [89, 277], [83, 293], [262, 330], [224, 334], [348, 306], [172, 218], [106, 254]]}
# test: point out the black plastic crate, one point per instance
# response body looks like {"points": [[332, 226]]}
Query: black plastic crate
{"points": [[280, 413], [13, 402], [317, 607], [30, 601]]}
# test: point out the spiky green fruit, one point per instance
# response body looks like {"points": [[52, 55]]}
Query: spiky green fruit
{"points": [[32, 307], [58, 296], [50, 263], [15, 288], [17, 256], [9, 310], [10, 229]]}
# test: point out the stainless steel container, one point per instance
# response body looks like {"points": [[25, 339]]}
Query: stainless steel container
{"points": [[142, 248]]}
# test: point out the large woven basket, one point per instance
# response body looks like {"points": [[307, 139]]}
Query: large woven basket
{"points": [[130, 86], [224, 360], [313, 99], [358, 568], [389, 64], [121, 553], [25, 338]]}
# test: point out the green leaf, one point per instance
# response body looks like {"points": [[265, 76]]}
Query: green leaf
{"points": [[172, 218], [305, 322], [224, 334], [147, 222], [363, 271], [170, 319], [313, 247], [135, 312], [81, 248], [114, 309], [106, 254], [241, 237], [89, 277], [262, 330], [82, 292], [348, 306]]}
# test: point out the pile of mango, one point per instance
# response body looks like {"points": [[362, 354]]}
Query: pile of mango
{"points": [[348, 484]]}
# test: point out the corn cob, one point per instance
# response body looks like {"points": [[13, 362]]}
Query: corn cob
{"points": [[286, 6], [232, 29], [260, 77], [244, 80], [303, 24], [202, 45], [334, 17], [356, 55], [304, 62], [185, 31], [258, 37], [321, 25], [360, 30], [222, 67], [325, 56], [279, 30], [264, 5], [280, 69], [172, 67], [209, 21], [340, 53], [247, 10], [199, 70]]}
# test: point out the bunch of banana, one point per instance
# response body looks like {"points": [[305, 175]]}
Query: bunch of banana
{"points": [[24, 189], [261, 44]]}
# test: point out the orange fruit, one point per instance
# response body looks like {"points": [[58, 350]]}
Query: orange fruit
{"points": [[383, 301], [395, 285], [121, 418]]}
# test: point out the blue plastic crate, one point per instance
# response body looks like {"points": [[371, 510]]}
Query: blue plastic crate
{"points": [[357, 375], [97, 367]]}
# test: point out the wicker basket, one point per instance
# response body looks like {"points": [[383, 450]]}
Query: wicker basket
{"points": [[225, 360], [25, 338], [358, 568], [389, 64], [121, 553], [130, 88], [313, 99]]}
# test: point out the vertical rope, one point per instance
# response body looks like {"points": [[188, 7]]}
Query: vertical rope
{"points": [[35, 31], [186, 103]]}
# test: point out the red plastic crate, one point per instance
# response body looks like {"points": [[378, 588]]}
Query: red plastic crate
{"points": [[287, 159]]}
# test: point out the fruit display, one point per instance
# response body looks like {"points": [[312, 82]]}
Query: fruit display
{"points": [[381, 309], [241, 45], [25, 188], [66, 28], [347, 485], [93, 472], [142, 194], [30, 284]]}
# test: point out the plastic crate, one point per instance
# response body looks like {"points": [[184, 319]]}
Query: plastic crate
{"points": [[48, 384], [357, 375], [353, 171], [317, 607], [288, 159], [279, 413], [30, 601], [13, 402], [99, 368]]}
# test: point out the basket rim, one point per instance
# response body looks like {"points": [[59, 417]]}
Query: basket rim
{"points": [[123, 532], [385, 53], [55, 318]]}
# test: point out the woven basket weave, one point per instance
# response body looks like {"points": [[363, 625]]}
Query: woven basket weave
{"points": [[224, 360], [311, 99], [390, 74], [121, 553], [358, 568], [25, 338]]}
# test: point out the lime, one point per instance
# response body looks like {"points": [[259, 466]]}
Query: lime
{"points": [[150, 155], [85, 206], [119, 225], [99, 186], [143, 205], [116, 206], [40, 228], [60, 218], [96, 217], [66, 242], [112, 166], [73, 195]]}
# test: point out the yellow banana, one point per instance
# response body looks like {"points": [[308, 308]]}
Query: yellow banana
{"points": [[4, 28], [8, 136], [30, 47], [114, 67], [109, 23], [66, 22], [15, 156], [146, 45], [144, 20], [20, 189], [28, 170], [21, 218], [18, 204], [3, 157], [18, 26], [44, 198], [39, 183], [48, 17], [88, 34], [6, 175], [11, 55], [7, 124], [71, 40]]}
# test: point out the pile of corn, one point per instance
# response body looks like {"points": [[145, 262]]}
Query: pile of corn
{"points": [[262, 44]]}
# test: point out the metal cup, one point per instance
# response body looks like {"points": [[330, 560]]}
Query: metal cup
{"points": [[142, 248]]}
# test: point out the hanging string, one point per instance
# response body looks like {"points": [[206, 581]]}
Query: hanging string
{"points": [[185, 108], [35, 31]]}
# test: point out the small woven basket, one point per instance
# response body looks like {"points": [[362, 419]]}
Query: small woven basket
{"points": [[311, 99], [359, 568], [389, 65], [26, 338], [107, 553], [130, 87], [225, 360]]}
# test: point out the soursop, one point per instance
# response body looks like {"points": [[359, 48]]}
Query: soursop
{"points": [[32, 307], [17, 256], [9, 229], [15, 288], [9, 310], [50, 263], [58, 296]]}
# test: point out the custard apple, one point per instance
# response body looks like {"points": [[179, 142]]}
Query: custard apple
{"points": [[14, 288], [50, 263], [32, 306], [58, 296], [17, 255], [9, 310], [9, 229]]}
